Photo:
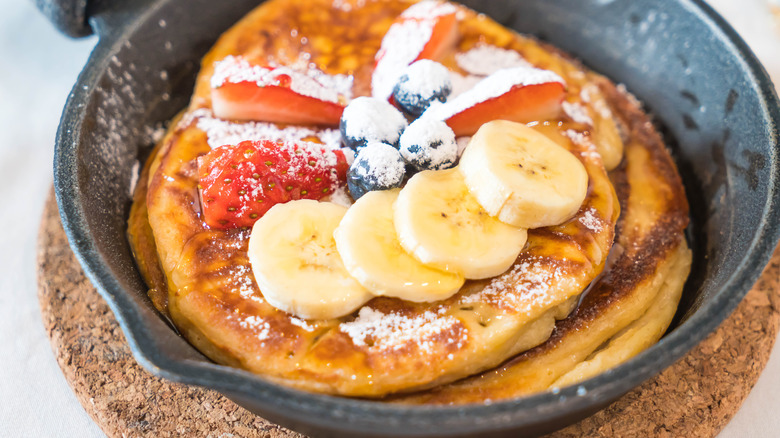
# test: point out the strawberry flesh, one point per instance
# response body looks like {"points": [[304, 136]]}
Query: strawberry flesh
{"points": [[443, 36], [239, 184], [276, 104], [522, 103]]}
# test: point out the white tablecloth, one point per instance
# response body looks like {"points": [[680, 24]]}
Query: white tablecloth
{"points": [[38, 68]]}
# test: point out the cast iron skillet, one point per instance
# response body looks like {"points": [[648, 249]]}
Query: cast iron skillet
{"points": [[692, 71]]}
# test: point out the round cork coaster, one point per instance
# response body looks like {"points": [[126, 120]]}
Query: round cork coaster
{"points": [[695, 397]]}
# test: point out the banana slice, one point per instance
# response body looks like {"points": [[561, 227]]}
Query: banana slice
{"points": [[521, 176], [296, 264], [369, 246], [441, 224]]}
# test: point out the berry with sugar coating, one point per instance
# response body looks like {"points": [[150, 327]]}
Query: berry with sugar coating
{"points": [[421, 84], [378, 166], [429, 144], [366, 120]]}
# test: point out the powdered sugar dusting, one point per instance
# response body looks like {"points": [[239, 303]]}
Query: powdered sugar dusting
{"points": [[591, 221], [582, 139], [302, 324], [484, 60], [430, 142], [392, 331], [236, 69], [373, 120], [241, 278], [340, 196], [259, 324], [424, 80], [429, 9], [382, 163], [577, 112], [524, 288], [223, 132], [495, 85]]}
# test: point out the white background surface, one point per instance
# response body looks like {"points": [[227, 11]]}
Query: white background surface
{"points": [[37, 68]]}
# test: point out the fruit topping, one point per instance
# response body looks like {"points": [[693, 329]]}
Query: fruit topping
{"points": [[441, 224], [377, 166], [366, 120], [239, 184], [517, 94], [522, 177], [369, 246], [426, 30], [242, 91], [420, 84], [429, 144], [296, 264]]}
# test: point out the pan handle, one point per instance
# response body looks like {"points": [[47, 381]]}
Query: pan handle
{"points": [[80, 18], [68, 16]]}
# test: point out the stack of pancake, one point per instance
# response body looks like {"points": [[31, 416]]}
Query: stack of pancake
{"points": [[582, 296]]}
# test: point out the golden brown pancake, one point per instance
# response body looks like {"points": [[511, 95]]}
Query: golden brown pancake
{"points": [[204, 278]]}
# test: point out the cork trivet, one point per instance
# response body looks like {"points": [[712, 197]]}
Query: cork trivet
{"points": [[697, 396]]}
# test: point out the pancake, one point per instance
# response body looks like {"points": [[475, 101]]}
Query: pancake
{"points": [[202, 279]]}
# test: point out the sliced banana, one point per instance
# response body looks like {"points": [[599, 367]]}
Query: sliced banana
{"points": [[521, 176], [441, 224], [296, 263], [369, 246]]}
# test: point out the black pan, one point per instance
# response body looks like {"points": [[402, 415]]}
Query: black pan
{"points": [[695, 75]]}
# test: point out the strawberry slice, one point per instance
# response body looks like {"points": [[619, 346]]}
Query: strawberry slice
{"points": [[238, 184], [519, 94], [242, 91], [426, 30]]}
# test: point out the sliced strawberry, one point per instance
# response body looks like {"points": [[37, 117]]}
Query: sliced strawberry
{"points": [[518, 94], [241, 91], [443, 37], [238, 184], [426, 30]]}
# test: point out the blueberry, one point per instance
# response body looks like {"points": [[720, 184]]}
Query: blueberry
{"points": [[378, 166], [421, 84], [429, 144], [367, 120]]}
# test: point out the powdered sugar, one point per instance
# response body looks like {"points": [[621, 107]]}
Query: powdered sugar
{"points": [[259, 324], [236, 69], [577, 112], [425, 79], [368, 119], [583, 139], [484, 60], [302, 324], [495, 85], [223, 132], [429, 9], [340, 196], [429, 144], [241, 278], [380, 163], [524, 288], [392, 331], [591, 221]]}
